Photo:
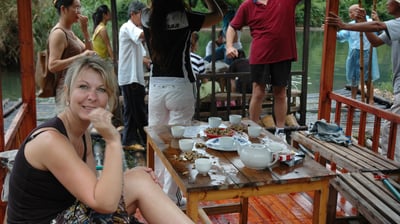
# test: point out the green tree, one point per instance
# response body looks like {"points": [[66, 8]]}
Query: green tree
{"points": [[44, 17], [9, 49]]}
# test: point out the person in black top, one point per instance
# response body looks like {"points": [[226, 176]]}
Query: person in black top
{"points": [[167, 27]]}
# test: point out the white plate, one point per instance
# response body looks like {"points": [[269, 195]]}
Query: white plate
{"points": [[238, 141]]}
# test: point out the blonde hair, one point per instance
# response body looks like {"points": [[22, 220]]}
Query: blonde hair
{"points": [[105, 70]]}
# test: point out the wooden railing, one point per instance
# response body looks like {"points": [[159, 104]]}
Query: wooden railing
{"points": [[327, 96], [14, 136], [212, 99], [25, 120], [365, 110], [15, 133], [240, 96]]}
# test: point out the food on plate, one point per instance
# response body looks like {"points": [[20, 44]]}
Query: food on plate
{"points": [[218, 132], [200, 145], [239, 127], [190, 156]]}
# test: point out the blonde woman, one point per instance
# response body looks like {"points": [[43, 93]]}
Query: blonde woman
{"points": [[54, 175]]}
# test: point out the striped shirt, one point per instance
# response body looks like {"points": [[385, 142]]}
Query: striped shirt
{"points": [[197, 64]]}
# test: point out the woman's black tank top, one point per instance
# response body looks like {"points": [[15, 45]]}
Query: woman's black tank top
{"points": [[36, 196]]}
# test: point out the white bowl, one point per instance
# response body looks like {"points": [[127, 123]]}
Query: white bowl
{"points": [[235, 118], [214, 122], [254, 131], [177, 131], [186, 145], [203, 165]]}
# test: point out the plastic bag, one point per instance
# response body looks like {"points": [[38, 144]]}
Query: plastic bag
{"points": [[7, 160]]}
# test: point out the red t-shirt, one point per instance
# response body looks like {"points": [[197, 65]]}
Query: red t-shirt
{"points": [[272, 28]]}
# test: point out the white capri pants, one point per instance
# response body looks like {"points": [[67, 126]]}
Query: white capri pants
{"points": [[171, 102]]}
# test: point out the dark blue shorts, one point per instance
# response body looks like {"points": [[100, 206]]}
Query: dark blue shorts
{"points": [[276, 74]]}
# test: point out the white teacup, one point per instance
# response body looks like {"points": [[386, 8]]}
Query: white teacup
{"points": [[235, 118], [226, 142], [254, 131], [203, 165], [177, 131], [214, 122], [186, 145]]}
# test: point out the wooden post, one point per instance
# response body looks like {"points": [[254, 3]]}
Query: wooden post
{"points": [[27, 65], [2, 142], [328, 63], [114, 25], [362, 61], [370, 89], [27, 84]]}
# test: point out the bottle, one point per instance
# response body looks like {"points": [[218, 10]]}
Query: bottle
{"points": [[98, 156], [124, 164]]}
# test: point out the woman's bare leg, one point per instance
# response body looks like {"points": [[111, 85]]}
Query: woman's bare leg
{"points": [[141, 191]]}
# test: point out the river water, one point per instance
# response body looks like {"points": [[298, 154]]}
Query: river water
{"points": [[11, 87]]}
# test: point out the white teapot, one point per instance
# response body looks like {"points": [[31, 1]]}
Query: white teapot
{"points": [[257, 156]]}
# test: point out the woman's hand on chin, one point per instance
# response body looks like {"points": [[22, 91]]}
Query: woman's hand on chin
{"points": [[101, 120]]}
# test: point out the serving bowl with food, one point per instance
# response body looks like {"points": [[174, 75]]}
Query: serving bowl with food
{"points": [[218, 132]]}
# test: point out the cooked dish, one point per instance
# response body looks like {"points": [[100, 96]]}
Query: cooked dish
{"points": [[218, 132]]}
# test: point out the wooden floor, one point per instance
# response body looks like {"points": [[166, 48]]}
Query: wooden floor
{"points": [[274, 209], [284, 208]]}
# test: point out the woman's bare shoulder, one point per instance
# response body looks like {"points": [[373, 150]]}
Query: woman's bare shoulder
{"points": [[42, 146], [58, 35]]}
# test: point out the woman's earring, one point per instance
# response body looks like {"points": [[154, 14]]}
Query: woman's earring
{"points": [[67, 103]]}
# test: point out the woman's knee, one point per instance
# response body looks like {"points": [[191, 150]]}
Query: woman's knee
{"points": [[136, 183], [137, 178]]}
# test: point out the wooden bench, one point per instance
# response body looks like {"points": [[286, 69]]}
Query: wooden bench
{"points": [[370, 196], [354, 158], [355, 180]]}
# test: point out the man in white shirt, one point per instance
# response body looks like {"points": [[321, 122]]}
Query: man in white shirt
{"points": [[131, 78]]}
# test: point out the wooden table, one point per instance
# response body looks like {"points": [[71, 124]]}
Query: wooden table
{"points": [[229, 178]]}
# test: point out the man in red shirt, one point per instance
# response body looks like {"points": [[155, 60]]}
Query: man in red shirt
{"points": [[273, 48]]}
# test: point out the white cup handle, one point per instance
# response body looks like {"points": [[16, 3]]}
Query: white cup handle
{"points": [[275, 155]]}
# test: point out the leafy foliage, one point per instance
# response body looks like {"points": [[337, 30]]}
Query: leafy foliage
{"points": [[9, 53], [44, 17]]}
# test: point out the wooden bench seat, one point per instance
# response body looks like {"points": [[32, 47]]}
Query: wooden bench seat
{"points": [[369, 196], [355, 181], [353, 158]]}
